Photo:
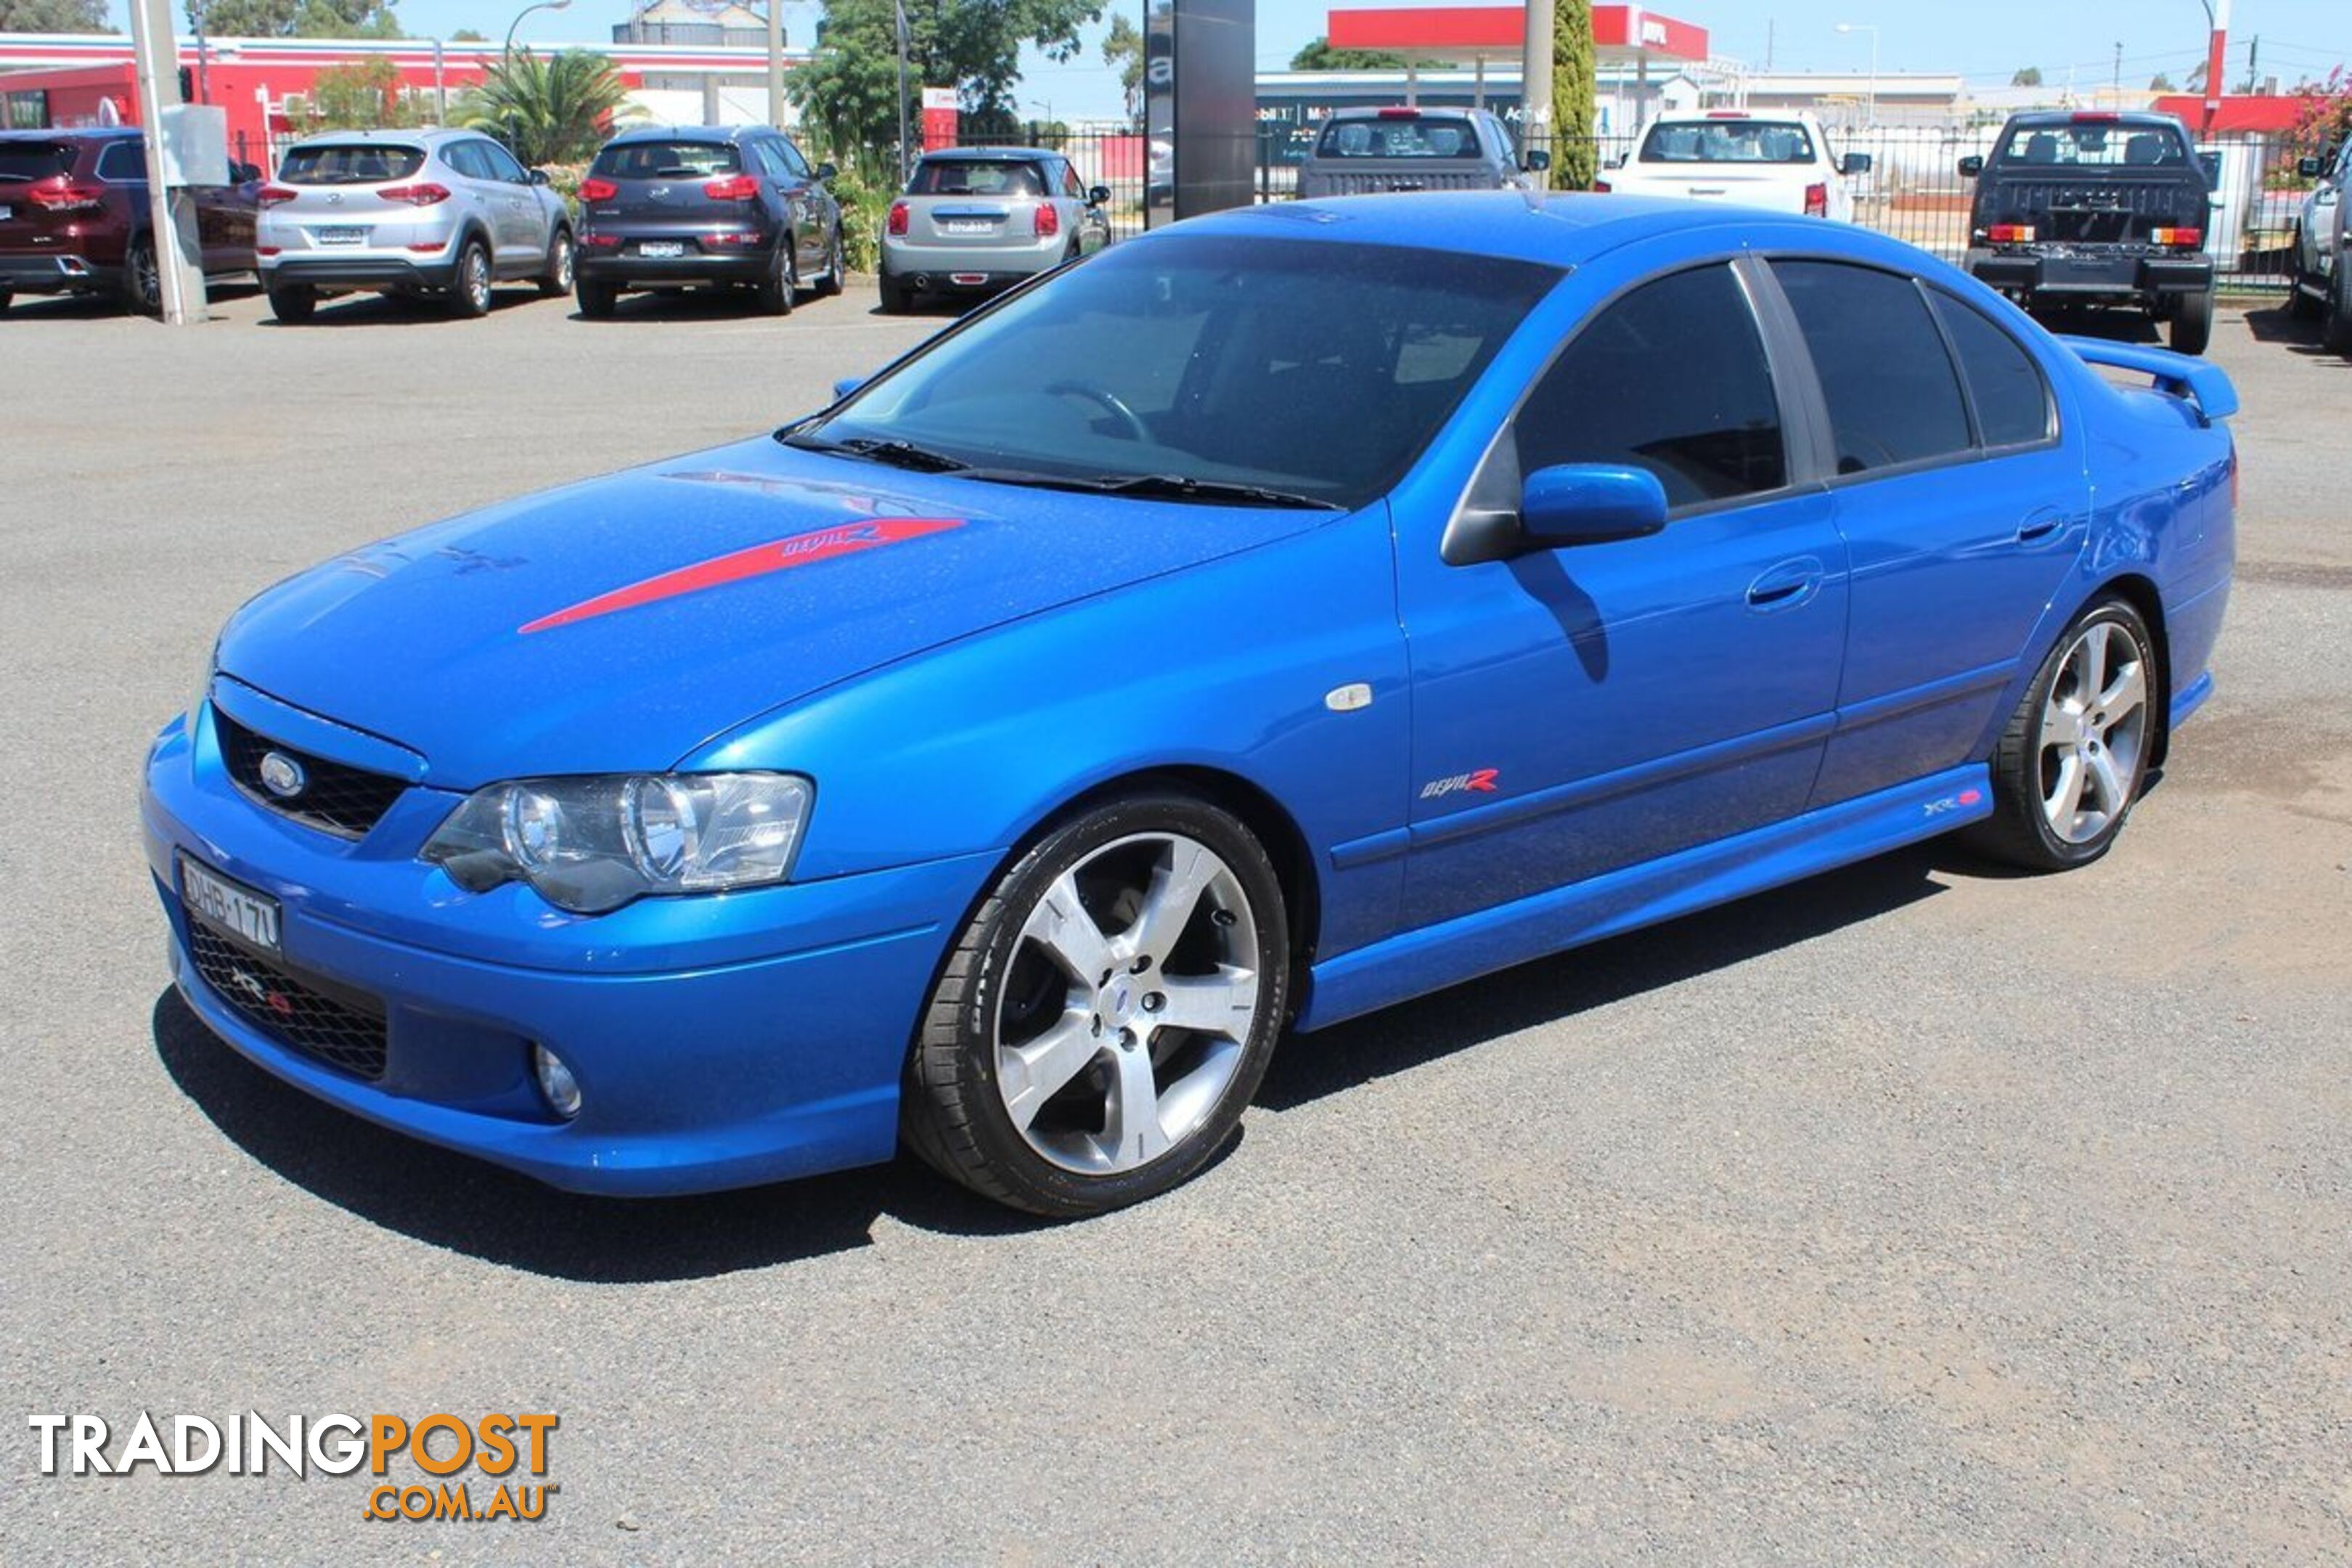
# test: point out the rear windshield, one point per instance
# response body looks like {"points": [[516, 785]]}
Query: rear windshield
{"points": [[669, 161], [358, 163], [1728, 142], [34, 160], [2095, 146], [1423, 136], [974, 177]]}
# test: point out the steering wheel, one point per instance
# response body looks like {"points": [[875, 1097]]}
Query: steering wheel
{"points": [[1110, 401]]}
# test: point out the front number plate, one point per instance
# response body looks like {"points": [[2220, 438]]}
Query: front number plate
{"points": [[231, 907], [665, 248]]}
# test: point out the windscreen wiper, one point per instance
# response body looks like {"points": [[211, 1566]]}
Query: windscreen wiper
{"points": [[887, 449], [1160, 486]]}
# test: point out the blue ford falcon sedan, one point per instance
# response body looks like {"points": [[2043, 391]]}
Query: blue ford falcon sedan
{"points": [[1293, 611]]}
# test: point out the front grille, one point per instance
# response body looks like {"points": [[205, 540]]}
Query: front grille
{"points": [[345, 1035], [335, 798]]}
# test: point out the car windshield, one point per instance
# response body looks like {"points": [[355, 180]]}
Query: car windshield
{"points": [[1728, 142], [350, 164], [1312, 370], [974, 177], [667, 161], [1398, 136], [24, 161], [2094, 145]]}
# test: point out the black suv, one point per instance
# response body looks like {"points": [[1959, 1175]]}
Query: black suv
{"points": [[707, 206], [2097, 209]]}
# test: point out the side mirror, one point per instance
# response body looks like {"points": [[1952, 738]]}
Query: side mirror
{"points": [[1971, 166], [1097, 195], [845, 385], [538, 176], [2310, 168], [1536, 162], [1589, 504], [1855, 164], [827, 171]]}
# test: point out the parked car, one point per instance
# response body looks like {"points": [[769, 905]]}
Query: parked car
{"points": [[707, 206], [2096, 208], [75, 218], [1359, 151], [1778, 162], [1009, 752], [975, 219], [444, 214], [2322, 288]]}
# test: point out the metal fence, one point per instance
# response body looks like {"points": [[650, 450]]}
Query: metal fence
{"points": [[1913, 191]]}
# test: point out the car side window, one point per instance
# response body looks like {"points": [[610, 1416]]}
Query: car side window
{"points": [[1893, 395], [2012, 400], [465, 157], [1070, 186], [1671, 378], [502, 163], [794, 165], [122, 162]]}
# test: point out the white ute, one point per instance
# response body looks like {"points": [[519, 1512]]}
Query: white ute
{"points": [[1778, 161]]}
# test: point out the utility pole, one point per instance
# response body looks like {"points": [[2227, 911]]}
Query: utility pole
{"points": [[776, 63], [155, 54], [1535, 81], [906, 163], [2115, 86], [1768, 26]]}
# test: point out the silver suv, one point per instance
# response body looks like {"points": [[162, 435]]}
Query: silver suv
{"points": [[1359, 151], [435, 213]]}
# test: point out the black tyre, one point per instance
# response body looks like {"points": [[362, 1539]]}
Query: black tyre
{"points": [[2337, 333], [469, 285], [556, 281], [777, 288], [2302, 305], [2192, 323], [1107, 1015], [897, 298], [836, 267], [293, 302], [2072, 760], [143, 279], [596, 300]]}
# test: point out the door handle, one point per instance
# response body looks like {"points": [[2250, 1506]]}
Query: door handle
{"points": [[1787, 585], [2040, 526]]}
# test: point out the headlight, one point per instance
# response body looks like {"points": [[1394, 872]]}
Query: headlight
{"points": [[589, 845]]}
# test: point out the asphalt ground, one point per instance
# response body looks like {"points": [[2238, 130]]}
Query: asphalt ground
{"points": [[1919, 1213]]}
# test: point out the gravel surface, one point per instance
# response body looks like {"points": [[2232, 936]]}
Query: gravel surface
{"points": [[1918, 1213]]}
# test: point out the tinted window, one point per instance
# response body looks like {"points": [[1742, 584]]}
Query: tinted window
{"points": [[2012, 405], [502, 163], [465, 157], [1315, 367], [1671, 378], [667, 161], [122, 161], [794, 163], [1728, 142], [24, 161], [974, 177], [1400, 136], [1893, 395], [355, 163]]}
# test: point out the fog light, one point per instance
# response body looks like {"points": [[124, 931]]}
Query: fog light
{"points": [[556, 1082]]}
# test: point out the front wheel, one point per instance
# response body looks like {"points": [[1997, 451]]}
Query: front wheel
{"points": [[556, 281], [1105, 1018], [836, 266], [2071, 762], [2192, 323]]}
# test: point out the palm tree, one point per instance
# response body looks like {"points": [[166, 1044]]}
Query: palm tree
{"points": [[553, 110]]}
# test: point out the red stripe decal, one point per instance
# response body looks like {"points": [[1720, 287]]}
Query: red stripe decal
{"points": [[776, 555]]}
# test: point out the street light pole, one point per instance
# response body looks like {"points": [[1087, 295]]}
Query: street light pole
{"points": [[508, 52], [1870, 112]]}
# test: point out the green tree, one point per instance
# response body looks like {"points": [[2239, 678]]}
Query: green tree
{"points": [[2029, 76], [1122, 48], [467, 36], [361, 97], [300, 19], [52, 17], [555, 110], [2160, 82], [1576, 155], [850, 88], [1319, 56]]}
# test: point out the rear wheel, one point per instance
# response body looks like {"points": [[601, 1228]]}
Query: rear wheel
{"points": [[2192, 323], [1107, 1014], [292, 301], [836, 266], [897, 298], [2337, 332], [556, 281], [2071, 759], [596, 300], [777, 288], [142, 280], [469, 291], [6, 296]]}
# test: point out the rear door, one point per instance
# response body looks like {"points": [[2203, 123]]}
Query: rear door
{"points": [[529, 223], [802, 201]]}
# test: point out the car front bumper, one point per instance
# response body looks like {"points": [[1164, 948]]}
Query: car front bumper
{"points": [[2091, 276], [718, 1042]]}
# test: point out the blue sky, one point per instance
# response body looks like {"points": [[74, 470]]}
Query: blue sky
{"points": [[1984, 41]]}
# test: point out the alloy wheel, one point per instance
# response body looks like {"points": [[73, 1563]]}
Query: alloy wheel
{"points": [[2094, 732], [1126, 1007], [477, 280]]}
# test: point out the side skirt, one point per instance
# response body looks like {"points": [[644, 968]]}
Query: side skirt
{"points": [[1418, 962]]}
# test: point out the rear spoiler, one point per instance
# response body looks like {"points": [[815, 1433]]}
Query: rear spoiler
{"points": [[2206, 386]]}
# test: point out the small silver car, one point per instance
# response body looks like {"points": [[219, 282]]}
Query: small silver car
{"points": [[1359, 151], [974, 219], [444, 213]]}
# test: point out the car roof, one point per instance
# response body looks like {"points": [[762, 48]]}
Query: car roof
{"points": [[426, 136], [714, 135], [73, 133], [2142, 116]]}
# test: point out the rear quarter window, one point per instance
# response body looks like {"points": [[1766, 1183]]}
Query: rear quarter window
{"points": [[667, 161], [2012, 402], [359, 164], [1893, 397]]}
